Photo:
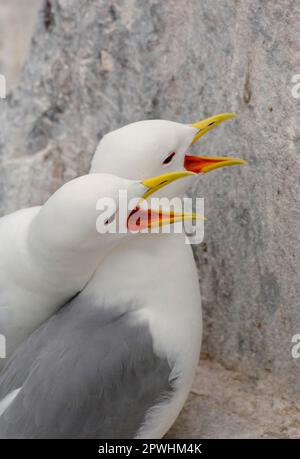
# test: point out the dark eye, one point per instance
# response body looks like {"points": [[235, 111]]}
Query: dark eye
{"points": [[110, 220], [169, 158]]}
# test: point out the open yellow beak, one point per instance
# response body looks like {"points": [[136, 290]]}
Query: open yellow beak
{"points": [[141, 218], [203, 164]]}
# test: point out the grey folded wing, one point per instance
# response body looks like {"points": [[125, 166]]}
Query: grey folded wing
{"points": [[86, 373]]}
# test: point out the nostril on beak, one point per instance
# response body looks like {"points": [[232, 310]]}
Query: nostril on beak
{"points": [[162, 183]]}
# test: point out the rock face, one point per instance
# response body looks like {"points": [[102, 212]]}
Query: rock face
{"points": [[16, 23], [95, 65]]}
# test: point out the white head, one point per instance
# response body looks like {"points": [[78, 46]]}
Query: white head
{"points": [[153, 147], [145, 148], [68, 220]]}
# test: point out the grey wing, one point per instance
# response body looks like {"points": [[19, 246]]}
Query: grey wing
{"points": [[18, 367], [95, 375]]}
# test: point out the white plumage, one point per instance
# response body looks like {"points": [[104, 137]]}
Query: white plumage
{"points": [[49, 253], [155, 272], [150, 282], [165, 284]]}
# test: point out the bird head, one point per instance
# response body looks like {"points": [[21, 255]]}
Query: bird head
{"points": [[75, 215], [154, 147]]}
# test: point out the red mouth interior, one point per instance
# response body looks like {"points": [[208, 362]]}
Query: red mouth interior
{"points": [[197, 163], [140, 219]]}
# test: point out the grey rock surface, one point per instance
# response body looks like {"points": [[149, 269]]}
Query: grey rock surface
{"points": [[96, 65], [226, 404], [17, 18]]}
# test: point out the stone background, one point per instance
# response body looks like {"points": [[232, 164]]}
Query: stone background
{"points": [[99, 64]]}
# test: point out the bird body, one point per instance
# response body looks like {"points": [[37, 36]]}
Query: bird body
{"points": [[118, 361], [158, 278], [24, 294], [49, 253]]}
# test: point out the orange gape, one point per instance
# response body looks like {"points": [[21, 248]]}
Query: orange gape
{"points": [[203, 164], [197, 163], [140, 219]]}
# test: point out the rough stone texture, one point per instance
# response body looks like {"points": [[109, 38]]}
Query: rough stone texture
{"points": [[98, 64], [226, 404], [17, 18]]}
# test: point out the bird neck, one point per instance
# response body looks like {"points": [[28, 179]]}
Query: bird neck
{"points": [[150, 266], [65, 269]]}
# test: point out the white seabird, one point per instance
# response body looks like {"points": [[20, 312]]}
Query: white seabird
{"points": [[118, 360], [66, 346], [48, 253]]}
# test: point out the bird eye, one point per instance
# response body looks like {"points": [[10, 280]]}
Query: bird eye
{"points": [[110, 220], [169, 158]]}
